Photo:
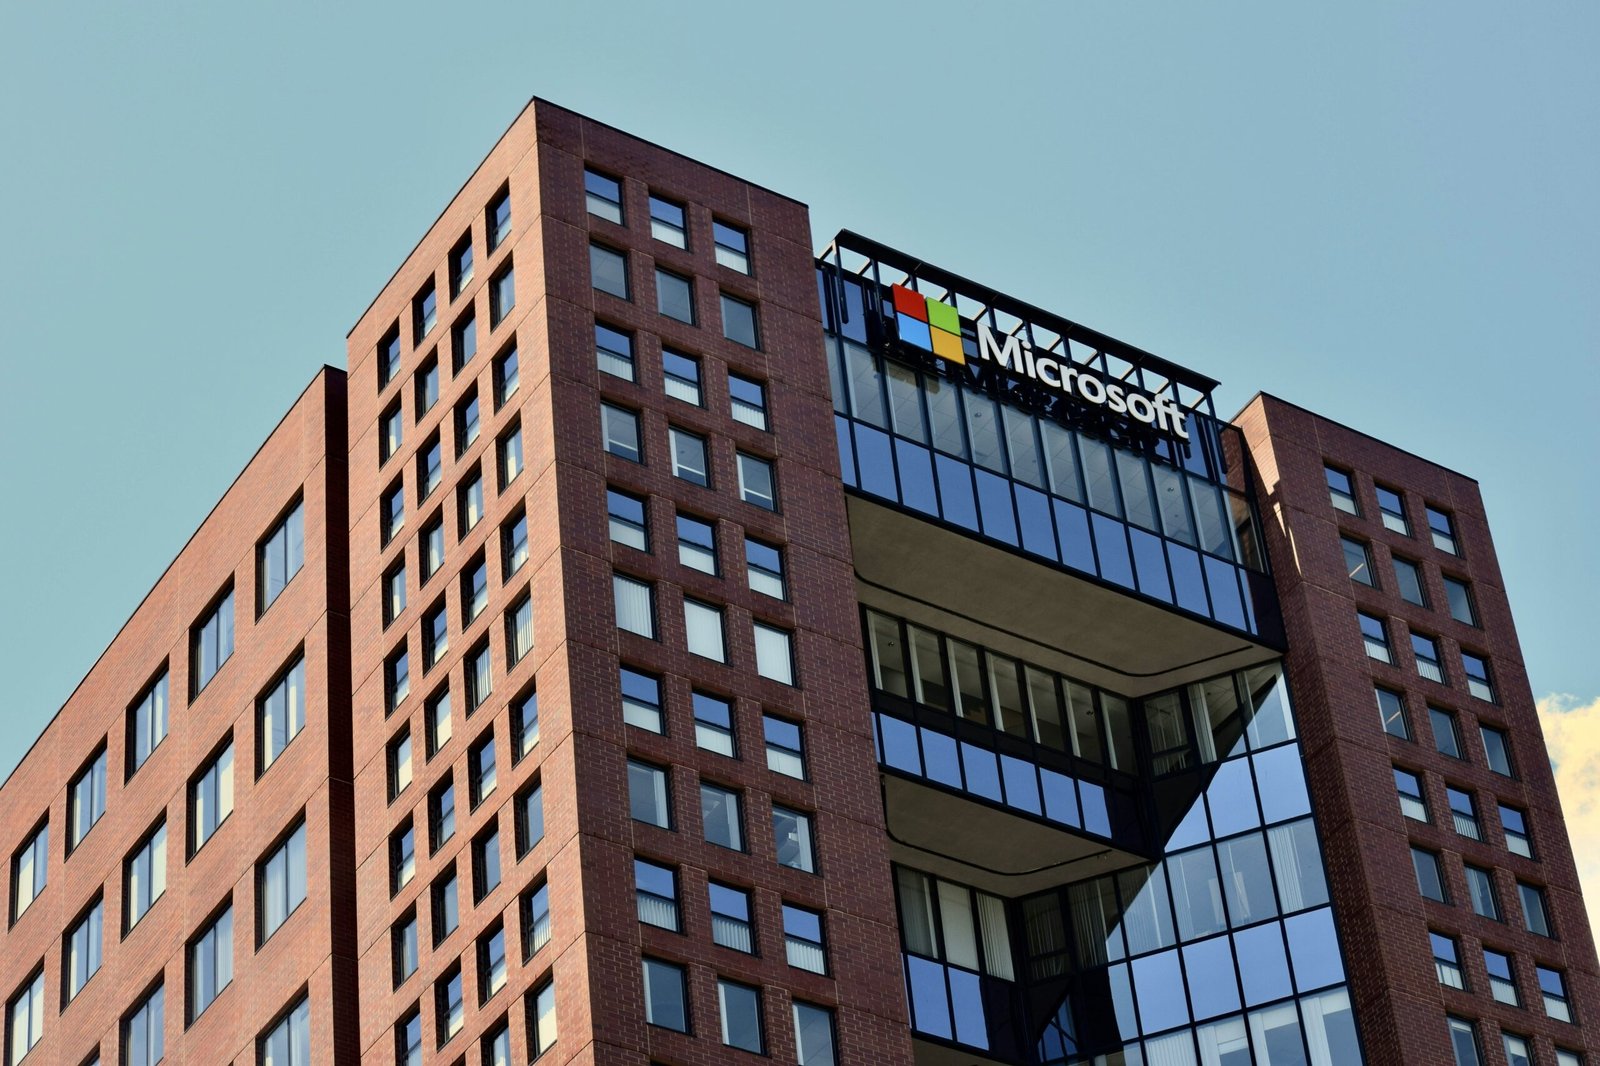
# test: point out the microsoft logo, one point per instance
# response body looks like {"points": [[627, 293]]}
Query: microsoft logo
{"points": [[928, 324]]}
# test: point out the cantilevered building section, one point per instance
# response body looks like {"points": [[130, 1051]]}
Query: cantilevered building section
{"points": [[669, 646]]}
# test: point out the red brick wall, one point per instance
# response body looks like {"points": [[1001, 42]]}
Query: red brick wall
{"points": [[1401, 1005]]}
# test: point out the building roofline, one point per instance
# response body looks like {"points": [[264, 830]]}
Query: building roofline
{"points": [[326, 367], [541, 101], [1262, 394]]}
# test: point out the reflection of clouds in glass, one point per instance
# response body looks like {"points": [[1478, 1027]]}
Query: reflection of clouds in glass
{"points": [[1572, 733]]}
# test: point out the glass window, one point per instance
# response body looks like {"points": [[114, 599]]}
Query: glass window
{"points": [[1517, 1050], [1480, 887], [210, 963], [144, 876], [740, 1006], [389, 356], [674, 296], [655, 890], [497, 218], [730, 918], [1459, 593], [774, 653], [748, 400], [697, 544], [399, 768], [449, 1004], [803, 942], [1393, 510], [390, 435], [280, 556], [757, 482], [474, 590], [733, 245], [634, 601], [1502, 978], [739, 321], [1430, 879], [1464, 813], [603, 196], [396, 679], [713, 724], [424, 312], [460, 264], [281, 713], [426, 382], [1553, 987], [1446, 737], [430, 467], [469, 502], [720, 817], [468, 420], [641, 700], [1341, 490], [86, 799], [791, 832], [506, 376], [665, 995], [1464, 1042], [497, 1046], [1376, 637], [502, 294], [392, 511], [519, 630], [430, 548], [147, 723], [542, 1018], [211, 642], [402, 857], [1568, 1058], [394, 593], [441, 813], [608, 270], [530, 817], [464, 340], [702, 625], [1479, 682], [514, 544], [1358, 561], [435, 634], [524, 725], [1447, 961], [668, 222], [1408, 577], [1426, 652], [613, 351], [1515, 824], [764, 568], [85, 944], [481, 774], [682, 376], [509, 451], [446, 905], [535, 919], [620, 428], [813, 1035], [648, 799], [408, 1039], [1392, 713], [1497, 749], [478, 671], [1412, 802], [491, 963], [785, 747], [403, 944], [144, 1031], [281, 882], [689, 456], [1443, 528], [1535, 914]]}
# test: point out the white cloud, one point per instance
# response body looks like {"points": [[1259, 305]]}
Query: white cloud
{"points": [[1572, 733]]}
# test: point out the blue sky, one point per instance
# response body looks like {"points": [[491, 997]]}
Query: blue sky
{"points": [[1384, 212]]}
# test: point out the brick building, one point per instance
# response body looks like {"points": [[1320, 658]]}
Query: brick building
{"points": [[665, 645]]}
